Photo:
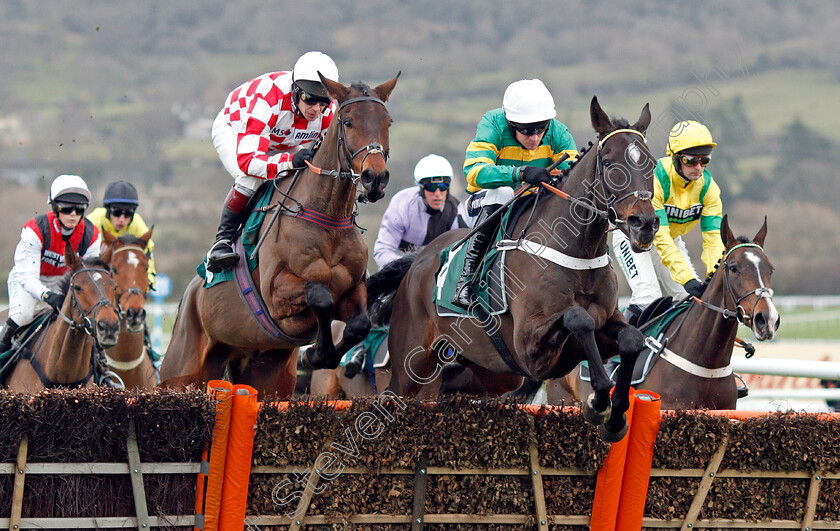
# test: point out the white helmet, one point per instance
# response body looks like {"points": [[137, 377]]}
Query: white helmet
{"points": [[528, 101], [69, 189], [432, 166], [305, 72]]}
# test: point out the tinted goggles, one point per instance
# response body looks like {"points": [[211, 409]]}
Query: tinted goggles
{"points": [[311, 99], [117, 212], [530, 129], [692, 160], [434, 187], [69, 209]]}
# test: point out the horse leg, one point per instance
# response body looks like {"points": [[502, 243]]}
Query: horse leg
{"points": [[629, 342], [273, 373], [597, 407], [325, 354]]}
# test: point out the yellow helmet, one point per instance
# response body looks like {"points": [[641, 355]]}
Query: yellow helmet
{"points": [[686, 135]]}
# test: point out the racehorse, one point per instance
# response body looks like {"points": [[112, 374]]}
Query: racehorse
{"points": [[61, 353], [558, 315], [129, 264], [310, 272], [695, 372]]}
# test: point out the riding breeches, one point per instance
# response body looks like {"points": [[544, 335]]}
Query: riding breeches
{"points": [[22, 305], [483, 198], [225, 140], [647, 276]]}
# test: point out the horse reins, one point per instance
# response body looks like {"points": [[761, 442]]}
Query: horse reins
{"points": [[609, 214]]}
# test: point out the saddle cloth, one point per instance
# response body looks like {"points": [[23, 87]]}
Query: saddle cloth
{"points": [[489, 286], [647, 357], [250, 235]]}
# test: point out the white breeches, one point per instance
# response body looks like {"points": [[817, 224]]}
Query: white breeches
{"points": [[647, 276]]}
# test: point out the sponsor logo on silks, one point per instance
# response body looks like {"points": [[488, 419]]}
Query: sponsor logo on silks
{"points": [[53, 258], [307, 135], [278, 132], [627, 259], [679, 215]]}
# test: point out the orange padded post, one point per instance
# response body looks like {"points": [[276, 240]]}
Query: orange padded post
{"points": [[634, 486], [208, 493], [608, 484], [238, 461]]}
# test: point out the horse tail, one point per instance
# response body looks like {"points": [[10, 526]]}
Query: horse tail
{"points": [[382, 286]]}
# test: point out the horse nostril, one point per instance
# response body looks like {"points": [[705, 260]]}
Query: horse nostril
{"points": [[778, 322], [760, 321], [635, 222]]}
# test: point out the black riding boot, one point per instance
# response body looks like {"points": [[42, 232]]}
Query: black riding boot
{"points": [[222, 256], [477, 246], [8, 331]]}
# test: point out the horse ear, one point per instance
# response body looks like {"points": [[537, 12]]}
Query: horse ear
{"points": [[334, 88], [644, 120], [71, 259], [600, 121], [384, 90], [148, 236], [762, 233], [725, 232]]}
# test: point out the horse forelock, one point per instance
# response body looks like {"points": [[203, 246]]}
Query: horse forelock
{"points": [[362, 87], [95, 261], [130, 239], [743, 239]]}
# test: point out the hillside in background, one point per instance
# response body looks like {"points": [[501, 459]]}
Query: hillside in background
{"points": [[128, 90]]}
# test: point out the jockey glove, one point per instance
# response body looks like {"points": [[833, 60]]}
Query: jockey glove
{"points": [[54, 299], [300, 158], [534, 175], [695, 288]]}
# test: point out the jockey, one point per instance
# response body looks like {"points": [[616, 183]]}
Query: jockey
{"points": [[684, 193], [513, 144], [118, 216], [417, 215], [39, 257], [268, 126]]}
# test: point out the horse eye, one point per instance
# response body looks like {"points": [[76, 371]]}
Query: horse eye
{"points": [[77, 288], [348, 123], [733, 269]]}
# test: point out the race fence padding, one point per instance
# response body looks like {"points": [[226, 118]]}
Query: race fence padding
{"points": [[99, 458]]}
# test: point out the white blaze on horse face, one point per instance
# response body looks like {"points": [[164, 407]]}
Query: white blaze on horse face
{"points": [[634, 154], [133, 260], [96, 277], [773, 318]]}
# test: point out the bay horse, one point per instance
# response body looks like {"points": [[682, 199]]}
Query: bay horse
{"points": [[695, 371], [558, 315], [126, 256], [61, 352], [309, 273]]}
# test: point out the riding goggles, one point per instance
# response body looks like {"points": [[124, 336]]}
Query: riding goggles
{"points": [[117, 212], [70, 209], [434, 187], [311, 99], [537, 128], [689, 160]]}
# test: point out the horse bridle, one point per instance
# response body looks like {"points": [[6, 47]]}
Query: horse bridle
{"points": [[740, 313], [347, 154], [133, 290], [640, 195], [87, 325]]}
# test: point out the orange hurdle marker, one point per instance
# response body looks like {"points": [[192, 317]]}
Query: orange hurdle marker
{"points": [[634, 485], [238, 459], [208, 493]]}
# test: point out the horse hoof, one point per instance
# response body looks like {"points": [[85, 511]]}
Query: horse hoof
{"points": [[613, 436], [592, 415]]}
